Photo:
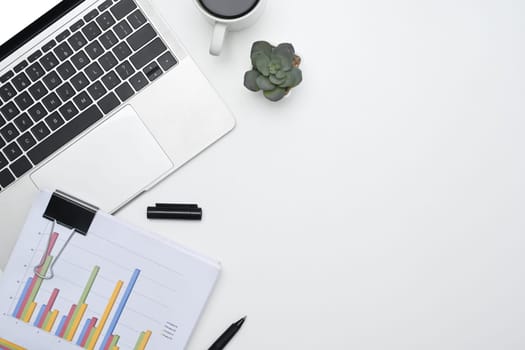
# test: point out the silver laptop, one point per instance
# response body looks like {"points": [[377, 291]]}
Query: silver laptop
{"points": [[98, 99]]}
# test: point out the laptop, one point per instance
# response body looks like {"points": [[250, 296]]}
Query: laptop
{"points": [[98, 99]]}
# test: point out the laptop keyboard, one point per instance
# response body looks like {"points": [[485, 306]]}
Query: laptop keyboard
{"points": [[73, 81]]}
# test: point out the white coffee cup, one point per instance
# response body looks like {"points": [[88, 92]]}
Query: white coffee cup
{"points": [[225, 23]]}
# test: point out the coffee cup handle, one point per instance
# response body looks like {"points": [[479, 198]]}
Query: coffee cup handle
{"points": [[217, 42]]}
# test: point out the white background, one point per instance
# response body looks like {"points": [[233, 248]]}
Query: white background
{"points": [[380, 206]]}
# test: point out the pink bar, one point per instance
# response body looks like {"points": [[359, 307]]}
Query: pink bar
{"points": [[110, 339], [49, 306], [68, 319], [53, 239], [90, 328]]}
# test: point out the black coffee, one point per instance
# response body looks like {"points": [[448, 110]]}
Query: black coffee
{"points": [[229, 9]]}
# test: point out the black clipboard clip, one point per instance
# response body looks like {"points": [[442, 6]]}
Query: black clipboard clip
{"points": [[70, 212]]}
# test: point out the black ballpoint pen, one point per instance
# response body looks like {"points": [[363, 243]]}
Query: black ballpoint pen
{"points": [[225, 338]]}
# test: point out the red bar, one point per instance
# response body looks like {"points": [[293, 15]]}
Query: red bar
{"points": [[68, 319], [88, 332], [49, 306], [53, 239], [110, 339]]}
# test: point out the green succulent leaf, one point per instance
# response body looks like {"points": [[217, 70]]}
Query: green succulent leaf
{"points": [[284, 56], [275, 94], [293, 78], [275, 80], [250, 80], [288, 47], [262, 47], [264, 83], [261, 63], [280, 74]]}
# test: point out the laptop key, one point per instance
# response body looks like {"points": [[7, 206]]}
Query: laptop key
{"points": [[109, 103], [35, 71], [91, 30], [9, 111], [80, 60], [105, 5], [21, 81], [38, 90], [40, 131], [94, 71], [110, 80], [26, 141], [91, 14], [107, 61], [63, 51], [124, 91], [68, 110], [66, 70], [37, 112], [62, 36], [108, 39], [82, 100], [125, 70], [9, 132], [122, 51], [65, 134], [6, 178], [167, 61], [18, 68], [3, 161], [49, 46], [51, 102], [96, 90], [80, 81], [153, 71], [24, 101], [77, 41], [136, 19], [141, 37], [7, 92], [77, 25], [23, 122], [105, 20], [6, 77], [148, 53], [122, 29], [54, 121], [94, 50], [122, 8], [34, 56], [52, 80], [21, 166], [49, 61], [12, 151], [139, 81], [65, 92]]}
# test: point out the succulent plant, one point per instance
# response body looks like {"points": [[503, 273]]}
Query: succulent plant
{"points": [[275, 70]]}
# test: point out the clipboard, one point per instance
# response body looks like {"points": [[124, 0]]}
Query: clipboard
{"points": [[80, 278]]}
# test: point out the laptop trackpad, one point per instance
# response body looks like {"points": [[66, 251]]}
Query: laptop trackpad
{"points": [[108, 166]]}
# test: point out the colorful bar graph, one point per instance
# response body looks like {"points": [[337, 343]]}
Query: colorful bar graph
{"points": [[68, 319], [83, 332], [7, 345], [105, 315], [120, 309], [143, 340], [34, 289], [40, 315], [49, 306], [22, 297], [52, 317], [29, 313], [61, 325], [76, 318], [89, 331]]}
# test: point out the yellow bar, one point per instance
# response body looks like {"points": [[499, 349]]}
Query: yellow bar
{"points": [[76, 322], [51, 322], [30, 312], [115, 348], [11, 345], [105, 315], [145, 340]]}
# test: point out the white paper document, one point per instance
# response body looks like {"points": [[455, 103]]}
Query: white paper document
{"points": [[117, 287]]}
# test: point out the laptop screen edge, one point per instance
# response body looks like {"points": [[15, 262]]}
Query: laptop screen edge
{"points": [[37, 27]]}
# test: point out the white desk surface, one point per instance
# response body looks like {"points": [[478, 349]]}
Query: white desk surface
{"points": [[381, 205]]}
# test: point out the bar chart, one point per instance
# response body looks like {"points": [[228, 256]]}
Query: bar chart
{"points": [[116, 287]]}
